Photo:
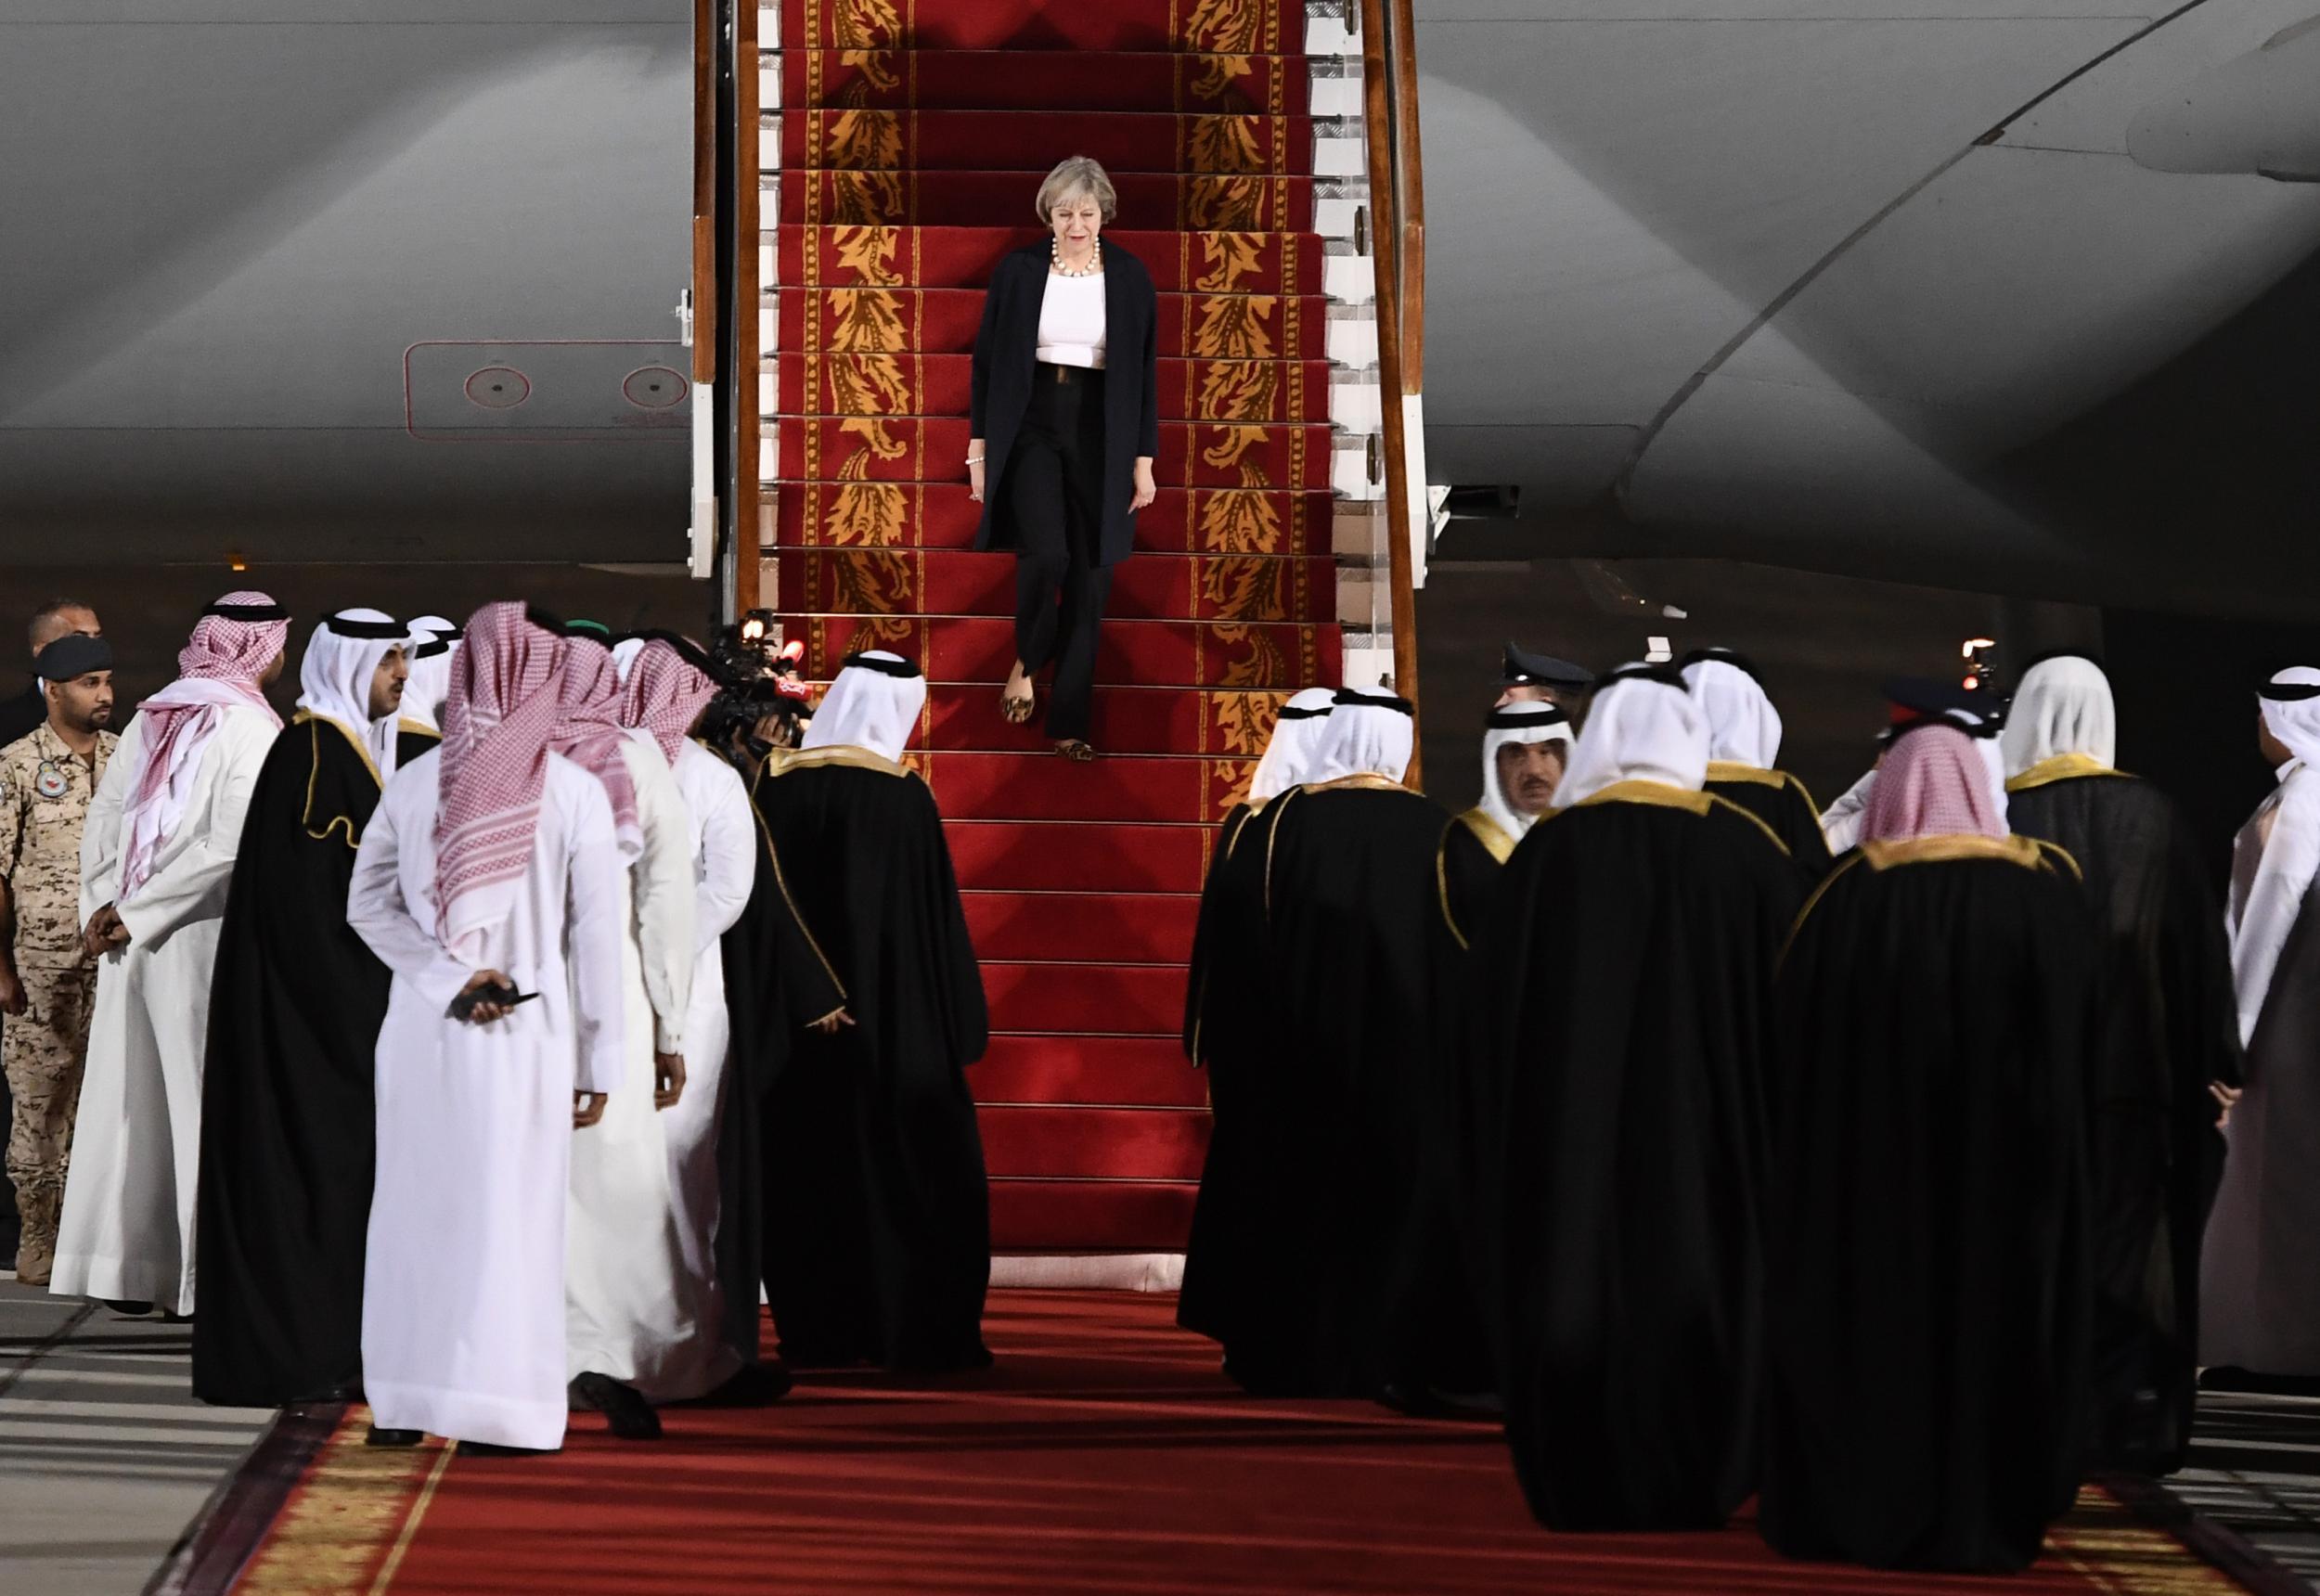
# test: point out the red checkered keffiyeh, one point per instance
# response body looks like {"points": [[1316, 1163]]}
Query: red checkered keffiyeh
{"points": [[217, 669], [588, 732], [665, 694], [1933, 783], [497, 729]]}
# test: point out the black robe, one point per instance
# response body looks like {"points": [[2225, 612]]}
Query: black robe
{"points": [[1442, 1337], [287, 1113], [2169, 1027], [1315, 1161], [1927, 1398], [1226, 1033], [767, 1012], [410, 741], [1628, 962], [877, 1232], [1781, 802]]}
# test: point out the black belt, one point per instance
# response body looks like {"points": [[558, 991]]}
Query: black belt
{"points": [[1067, 375]]}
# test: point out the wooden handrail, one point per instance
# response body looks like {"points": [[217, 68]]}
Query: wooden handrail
{"points": [[1377, 98], [704, 191], [748, 293], [1409, 166]]}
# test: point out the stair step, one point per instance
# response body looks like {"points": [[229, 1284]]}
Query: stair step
{"points": [[1257, 26], [939, 515], [1094, 1144], [1130, 144], [1109, 928], [1118, 999], [963, 258], [1091, 1215], [1041, 787], [1233, 202], [1032, 855], [1125, 720], [1131, 653], [1097, 1070], [914, 449], [943, 321], [1155, 587], [920, 385], [1098, 81]]}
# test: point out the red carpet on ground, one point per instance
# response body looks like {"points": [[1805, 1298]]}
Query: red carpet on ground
{"points": [[1104, 1453], [913, 134]]}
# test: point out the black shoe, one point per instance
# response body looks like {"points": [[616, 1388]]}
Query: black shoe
{"points": [[758, 1385], [624, 1407], [494, 1450], [378, 1437], [129, 1308]]}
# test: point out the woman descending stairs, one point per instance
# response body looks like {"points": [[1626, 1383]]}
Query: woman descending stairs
{"points": [[912, 136]]}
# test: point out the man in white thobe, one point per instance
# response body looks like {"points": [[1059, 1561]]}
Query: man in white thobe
{"points": [[635, 1333], [665, 685], [157, 861], [489, 862]]}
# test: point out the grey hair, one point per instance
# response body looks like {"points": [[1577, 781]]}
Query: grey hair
{"points": [[1073, 176]]}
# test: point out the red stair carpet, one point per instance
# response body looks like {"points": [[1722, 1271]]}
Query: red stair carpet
{"points": [[1103, 1454], [913, 135]]}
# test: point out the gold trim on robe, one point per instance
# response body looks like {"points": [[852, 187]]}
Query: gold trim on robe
{"points": [[2061, 767], [1490, 834]]}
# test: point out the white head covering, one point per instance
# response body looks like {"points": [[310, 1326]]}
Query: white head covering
{"points": [[1289, 752], [334, 678], [874, 703], [1644, 725], [625, 654], [1517, 722], [1369, 732], [2260, 922], [2063, 706], [435, 644], [1743, 727]]}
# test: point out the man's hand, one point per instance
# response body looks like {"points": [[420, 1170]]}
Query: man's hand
{"points": [[12, 998], [485, 1013], [586, 1109], [1146, 488], [104, 932], [2227, 1098], [830, 1024], [668, 1079]]}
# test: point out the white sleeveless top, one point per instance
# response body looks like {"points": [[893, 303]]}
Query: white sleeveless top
{"points": [[1071, 322]]}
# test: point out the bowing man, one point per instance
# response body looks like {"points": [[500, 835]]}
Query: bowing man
{"points": [[636, 1337], [489, 863], [2259, 1273], [1331, 1144], [434, 645], [1744, 733], [156, 862], [878, 1232], [1630, 947], [2166, 1053], [295, 1011], [668, 684], [1928, 1266], [1226, 1004]]}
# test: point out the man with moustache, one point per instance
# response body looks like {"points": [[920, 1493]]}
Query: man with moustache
{"points": [[47, 976]]}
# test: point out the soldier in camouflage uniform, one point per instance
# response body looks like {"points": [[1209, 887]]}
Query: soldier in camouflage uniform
{"points": [[48, 974]]}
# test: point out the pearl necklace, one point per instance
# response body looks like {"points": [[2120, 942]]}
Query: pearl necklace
{"points": [[1093, 269]]}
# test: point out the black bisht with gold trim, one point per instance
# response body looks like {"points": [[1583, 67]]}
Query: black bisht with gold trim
{"points": [[1926, 1404], [296, 1004], [1618, 1076], [877, 1212]]}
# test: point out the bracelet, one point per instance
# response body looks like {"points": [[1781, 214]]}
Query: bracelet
{"points": [[974, 459]]}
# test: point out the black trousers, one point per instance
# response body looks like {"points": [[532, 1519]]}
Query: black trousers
{"points": [[1054, 492]]}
